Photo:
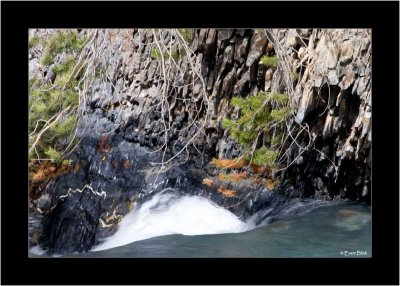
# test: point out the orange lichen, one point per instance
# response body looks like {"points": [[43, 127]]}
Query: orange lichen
{"points": [[257, 169], [50, 170], [235, 177], [239, 176], [208, 182], [227, 192], [260, 169], [43, 171], [127, 164], [103, 147], [271, 184], [228, 163], [47, 170], [77, 167]]}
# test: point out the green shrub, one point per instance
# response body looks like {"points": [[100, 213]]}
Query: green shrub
{"points": [[65, 67], [264, 156], [279, 97], [65, 128], [46, 101], [186, 34], [257, 115], [54, 155], [280, 114], [227, 123], [71, 98], [62, 41], [294, 76], [32, 82], [239, 102], [33, 42], [155, 54], [276, 140], [63, 78], [40, 108], [270, 61]]}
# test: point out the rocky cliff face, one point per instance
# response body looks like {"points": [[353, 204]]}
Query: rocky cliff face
{"points": [[332, 91], [140, 102], [333, 95]]}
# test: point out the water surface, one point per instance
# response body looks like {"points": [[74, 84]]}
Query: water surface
{"points": [[325, 232], [185, 226]]}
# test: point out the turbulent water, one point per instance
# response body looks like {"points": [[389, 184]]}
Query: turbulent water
{"points": [[167, 214], [168, 225]]}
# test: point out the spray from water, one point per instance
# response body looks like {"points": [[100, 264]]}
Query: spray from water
{"points": [[166, 213]]}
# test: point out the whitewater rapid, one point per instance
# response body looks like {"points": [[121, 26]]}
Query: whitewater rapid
{"points": [[166, 213]]}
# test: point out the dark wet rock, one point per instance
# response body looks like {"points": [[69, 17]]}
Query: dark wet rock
{"points": [[72, 225], [35, 228], [44, 202]]}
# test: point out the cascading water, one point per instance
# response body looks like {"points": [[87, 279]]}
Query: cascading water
{"points": [[166, 213], [170, 224]]}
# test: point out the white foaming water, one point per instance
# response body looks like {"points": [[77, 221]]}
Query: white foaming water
{"points": [[37, 250], [166, 214]]}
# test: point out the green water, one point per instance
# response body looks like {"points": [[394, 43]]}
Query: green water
{"points": [[330, 231]]}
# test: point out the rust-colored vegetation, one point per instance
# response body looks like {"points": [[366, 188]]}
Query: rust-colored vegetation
{"points": [[234, 177], [229, 163], [48, 171], [127, 164], [208, 182], [271, 184], [103, 147], [227, 192], [237, 164]]}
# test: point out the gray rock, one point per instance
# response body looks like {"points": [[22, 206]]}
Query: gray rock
{"points": [[346, 53], [307, 103], [300, 160], [241, 48], [365, 191], [257, 48], [44, 202]]}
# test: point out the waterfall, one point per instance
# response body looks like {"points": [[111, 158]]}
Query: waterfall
{"points": [[166, 213]]}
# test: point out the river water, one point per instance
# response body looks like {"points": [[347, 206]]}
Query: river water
{"points": [[173, 226]]}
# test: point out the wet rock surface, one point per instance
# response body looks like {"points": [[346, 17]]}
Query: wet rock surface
{"points": [[71, 226], [87, 204]]}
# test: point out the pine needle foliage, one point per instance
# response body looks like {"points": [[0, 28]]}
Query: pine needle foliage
{"points": [[53, 154], [294, 76], [65, 67], [276, 140], [155, 54], [47, 101], [258, 114], [280, 114], [270, 61], [187, 34], [66, 127], [265, 156], [67, 41], [33, 42]]}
